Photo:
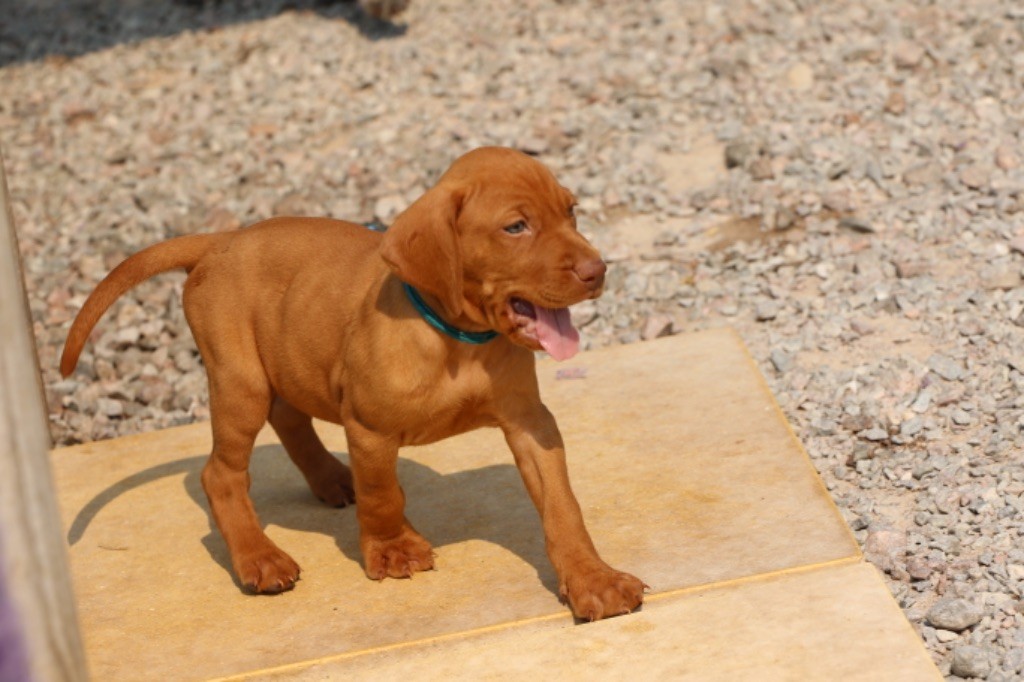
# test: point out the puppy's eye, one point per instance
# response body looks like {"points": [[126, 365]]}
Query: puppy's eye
{"points": [[516, 227]]}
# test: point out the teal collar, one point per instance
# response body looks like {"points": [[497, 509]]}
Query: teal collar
{"points": [[437, 323]]}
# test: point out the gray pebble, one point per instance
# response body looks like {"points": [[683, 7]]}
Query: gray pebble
{"points": [[911, 427], [1003, 277], [960, 417], [946, 367], [185, 361], [741, 153], [874, 434], [954, 614], [111, 408], [1013, 661], [927, 173], [971, 661], [824, 427], [781, 360], [922, 401], [766, 311]]}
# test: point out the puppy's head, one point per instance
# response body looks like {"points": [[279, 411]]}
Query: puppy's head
{"points": [[495, 242]]}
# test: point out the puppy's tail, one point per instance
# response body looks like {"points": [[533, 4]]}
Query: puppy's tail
{"points": [[181, 252]]}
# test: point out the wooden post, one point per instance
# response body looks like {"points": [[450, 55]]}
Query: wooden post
{"points": [[33, 555]]}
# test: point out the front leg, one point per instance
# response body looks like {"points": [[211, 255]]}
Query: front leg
{"points": [[391, 547], [592, 588]]}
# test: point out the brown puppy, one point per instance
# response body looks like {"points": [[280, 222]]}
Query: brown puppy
{"points": [[306, 317]]}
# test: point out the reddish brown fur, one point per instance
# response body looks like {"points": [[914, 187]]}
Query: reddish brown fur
{"points": [[305, 317]]}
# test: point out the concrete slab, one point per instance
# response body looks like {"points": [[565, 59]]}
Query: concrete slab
{"points": [[830, 624], [685, 467]]}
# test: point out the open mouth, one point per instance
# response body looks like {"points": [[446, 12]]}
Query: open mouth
{"points": [[551, 328]]}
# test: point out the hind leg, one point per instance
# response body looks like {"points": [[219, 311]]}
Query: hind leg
{"points": [[240, 400], [329, 479]]}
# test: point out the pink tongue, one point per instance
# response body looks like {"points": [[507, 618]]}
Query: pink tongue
{"points": [[556, 333]]}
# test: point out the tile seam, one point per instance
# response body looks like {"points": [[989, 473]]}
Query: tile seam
{"points": [[561, 615]]}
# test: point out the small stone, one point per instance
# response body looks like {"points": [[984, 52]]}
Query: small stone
{"points": [[946, 636], [761, 169], [656, 327], [875, 434], [185, 361], [859, 422], [1002, 277], [800, 77], [294, 204], [971, 661], [907, 54], [861, 327], [824, 427], [922, 469], [1014, 660], [1006, 158], [896, 103], [128, 336], [960, 418], [883, 546], [221, 220], [105, 370], [156, 392], [911, 427], [946, 367], [111, 408], [388, 207], [1017, 244], [922, 401], [785, 219], [974, 177], [918, 568], [906, 269], [583, 313], [954, 614], [267, 130], [766, 311], [781, 360], [740, 153], [857, 225], [1002, 676], [927, 173], [534, 145], [840, 201], [861, 451]]}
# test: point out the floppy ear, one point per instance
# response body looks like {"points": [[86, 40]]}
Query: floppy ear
{"points": [[422, 248]]}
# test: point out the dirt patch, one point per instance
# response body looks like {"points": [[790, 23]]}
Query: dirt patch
{"points": [[695, 170]]}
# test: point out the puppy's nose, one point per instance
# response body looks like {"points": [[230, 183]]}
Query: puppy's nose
{"points": [[591, 272]]}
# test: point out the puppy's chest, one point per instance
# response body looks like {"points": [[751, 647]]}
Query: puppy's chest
{"points": [[431, 423], [426, 412]]}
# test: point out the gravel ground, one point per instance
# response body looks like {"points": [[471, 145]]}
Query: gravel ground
{"points": [[840, 181]]}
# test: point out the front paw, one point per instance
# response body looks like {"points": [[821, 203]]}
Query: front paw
{"points": [[397, 557], [267, 570], [601, 592]]}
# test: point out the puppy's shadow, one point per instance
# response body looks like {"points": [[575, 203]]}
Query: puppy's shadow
{"points": [[488, 503]]}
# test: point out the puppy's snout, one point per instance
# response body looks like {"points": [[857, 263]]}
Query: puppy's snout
{"points": [[591, 272]]}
